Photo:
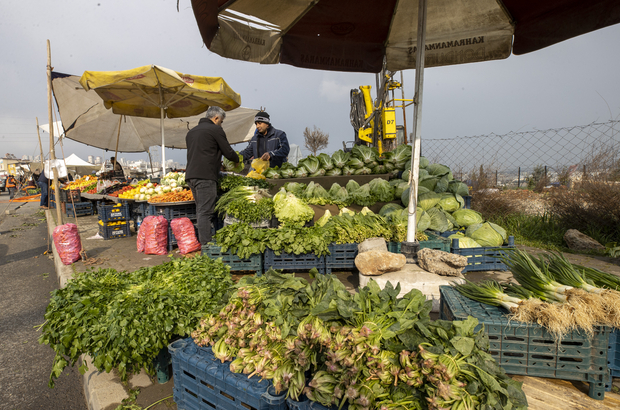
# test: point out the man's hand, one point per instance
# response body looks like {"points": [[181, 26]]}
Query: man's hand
{"points": [[266, 157]]}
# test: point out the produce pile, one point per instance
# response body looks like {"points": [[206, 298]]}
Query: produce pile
{"points": [[553, 292], [134, 189], [172, 196], [123, 319], [371, 350], [362, 160], [83, 183], [246, 203], [229, 182]]}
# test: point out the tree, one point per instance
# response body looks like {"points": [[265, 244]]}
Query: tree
{"points": [[315, 140]]}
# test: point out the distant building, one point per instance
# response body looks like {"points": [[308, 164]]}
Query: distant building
{"points": [[91, 159], [97, 160]]}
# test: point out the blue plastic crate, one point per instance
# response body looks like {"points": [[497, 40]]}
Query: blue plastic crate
{"points": [[342, 256], [613, 355], [291, 262], [171, 212], [203, 382], [483, 258], [305, 404], [79, 209], [435, 241], [253, 263], [114, 231], [139, 209], [529, 349], [110, 213]]}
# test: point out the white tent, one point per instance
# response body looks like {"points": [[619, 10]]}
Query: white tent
{"points": [[294, 155], [77, 164]]}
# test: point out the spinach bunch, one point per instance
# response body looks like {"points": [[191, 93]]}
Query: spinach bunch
{"points": [[232, 181], [250, 212], [123, 319]]}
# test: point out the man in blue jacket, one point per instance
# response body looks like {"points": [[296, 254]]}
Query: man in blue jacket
{"points": [[268, 143]]}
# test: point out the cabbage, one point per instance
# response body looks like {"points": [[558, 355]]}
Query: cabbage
{"points": [[467, 217], [312, 164], [406, 174], [424, 220], [486, 234], [319, 173], [379, 169], [400, 188], [347, 171], [439, 222], [437, 169], [404, 197], [325, 161], [395, 182], [457, 187], [451, 202], [428, 200], [362, 171], [340, 158], [401, 154], [389, 208], [338, 193], [292, 211], [352, 185], [364, 153], [381, 190], [442, 185], [366, 211], [323, 220], [423, 162], [355, 163], [314, 190], [301, 172], [228, 166], [450, 219], [272, 173], [389, 166], [334, 172], [429, 182], [464, 241], [296, 188], [287, 172], [423, 190], [362, 196]]}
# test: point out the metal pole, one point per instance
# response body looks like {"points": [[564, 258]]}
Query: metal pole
{"points": [[402, 90], [417, 122], [519, 179], [51, 120], [163, 146]]}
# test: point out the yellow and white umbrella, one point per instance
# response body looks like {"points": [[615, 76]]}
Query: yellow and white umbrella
{"points": [[158, 92]]}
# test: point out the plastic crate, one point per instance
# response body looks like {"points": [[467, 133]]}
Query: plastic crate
{"points": [[171, 212], [306, 404], [114, 231], [434, 242], [139, 209], [253, 263], [342, 256], [79, 209], [484, 258], [288, 261], [613, 355], [109, 213], [203, 382], [529, 349], [70, 195]]}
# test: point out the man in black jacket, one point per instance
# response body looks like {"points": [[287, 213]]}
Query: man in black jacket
{"points": [[206, 143]]}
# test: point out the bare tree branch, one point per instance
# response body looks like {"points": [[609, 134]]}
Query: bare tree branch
{"points": [[315, 140]]}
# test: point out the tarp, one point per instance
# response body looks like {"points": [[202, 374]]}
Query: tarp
{"points": [[58, 131], [77, 164], [85, 119]]}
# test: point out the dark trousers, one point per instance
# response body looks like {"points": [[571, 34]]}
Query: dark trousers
{"points": [[12, 191], [43, 186], [205, 195]]}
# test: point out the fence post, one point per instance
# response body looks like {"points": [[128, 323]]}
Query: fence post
{"points": [[495, 178], [545, 173], [584, 173], [519, 179]]}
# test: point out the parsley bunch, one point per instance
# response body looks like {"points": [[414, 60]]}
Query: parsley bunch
{"points": [[123, 319]]}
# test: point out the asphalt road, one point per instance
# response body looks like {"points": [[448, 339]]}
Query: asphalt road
{"points": [[26, 279]]}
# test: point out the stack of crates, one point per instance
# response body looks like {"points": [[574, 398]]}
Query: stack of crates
{"points": [[529, 349], [79, 209], [203, 382], [113, 220]]}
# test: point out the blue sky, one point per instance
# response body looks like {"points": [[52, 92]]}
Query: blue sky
{"points": [[571, 83]]}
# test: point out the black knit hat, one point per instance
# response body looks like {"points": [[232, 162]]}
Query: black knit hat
{"points": [[262, 116]]}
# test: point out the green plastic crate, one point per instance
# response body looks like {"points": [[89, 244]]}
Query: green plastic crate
{"points": [[434, 242], [529, 349]]}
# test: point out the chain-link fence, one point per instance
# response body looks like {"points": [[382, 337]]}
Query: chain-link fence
{"points": [[560, 156]]}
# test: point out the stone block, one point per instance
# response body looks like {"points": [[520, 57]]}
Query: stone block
{"points": [[440, 262], [372, 244]]}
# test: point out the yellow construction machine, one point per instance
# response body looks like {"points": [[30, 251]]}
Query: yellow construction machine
{"points": [[374, 122]]}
